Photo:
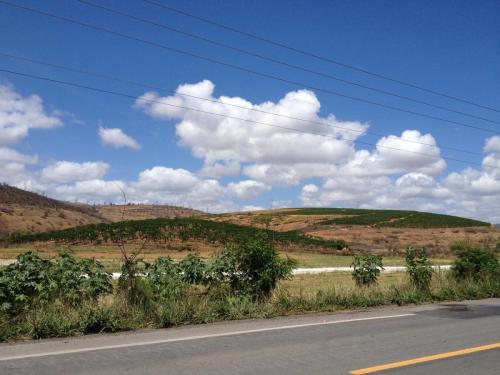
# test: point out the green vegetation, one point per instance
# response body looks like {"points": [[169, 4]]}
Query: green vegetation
{"points": [[418, 268], [475, 263], [366, 269], [327, 211], [163, 230], [252, 269], [69, 296], [396, 218], [33, 281]]}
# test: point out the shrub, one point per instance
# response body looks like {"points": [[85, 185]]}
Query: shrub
{"points": [[166, 279], [193, 269], [366, 269], [253, 268], [79, 279], [475, 263], [418, 268], [23, 282], [32, 280]]}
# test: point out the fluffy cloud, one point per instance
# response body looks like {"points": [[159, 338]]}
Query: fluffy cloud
{"points": [[13, 165], [260, 151], [166, 179], [91, 190], [249, 134], [247, 189], [19, 114], [249, 137], [66, 171], [116, 138], [470, 192]]}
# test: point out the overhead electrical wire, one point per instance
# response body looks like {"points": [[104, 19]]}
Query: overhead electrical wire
{"points": [[319, 57], [240, 68], [281, 62], [140, 84], [129, 96]]}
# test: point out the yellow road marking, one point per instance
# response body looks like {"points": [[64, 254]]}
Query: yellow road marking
{"points": [[428, 358]]}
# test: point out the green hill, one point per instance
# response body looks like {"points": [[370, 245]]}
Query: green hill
{"points": [[389, 218], [184, 229]]}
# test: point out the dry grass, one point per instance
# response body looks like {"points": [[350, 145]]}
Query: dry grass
{"points": [[309, 285]]}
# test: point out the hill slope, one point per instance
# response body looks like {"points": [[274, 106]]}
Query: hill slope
{"points": [[26, 212], [379, 231], [179, 229]]}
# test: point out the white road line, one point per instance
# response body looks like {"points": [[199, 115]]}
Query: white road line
{"points": [[198, 337]]}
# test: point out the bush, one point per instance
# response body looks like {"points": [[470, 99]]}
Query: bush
{"points": [[166, 279], [32, 280], [79, 279], [253, 268], [366, 269], [193, 269], [418, 268], [23, 282], [475, 263]]}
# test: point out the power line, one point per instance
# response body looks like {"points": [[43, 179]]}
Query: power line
{"points": [[316, 56], [140, 84], [129, 96], [281, 62], [240, 68]]}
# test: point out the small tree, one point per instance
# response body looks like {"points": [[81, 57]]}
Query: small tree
{"points": [[418, 268], [366, 269], [253, 268], [475, 263]]}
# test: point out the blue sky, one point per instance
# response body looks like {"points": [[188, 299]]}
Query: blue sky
{"points": [[448, 46]]}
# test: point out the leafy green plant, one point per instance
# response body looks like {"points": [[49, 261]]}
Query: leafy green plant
{"points": [[25, 281], [418, 268], [32, 280], [193, 269], [79, 279], [253, 268], [166, 279], [475, 263], [366, 269]]}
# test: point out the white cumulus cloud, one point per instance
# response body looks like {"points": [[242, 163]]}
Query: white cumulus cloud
{"points": [[67, 171], [116, 138], [19, 114]]}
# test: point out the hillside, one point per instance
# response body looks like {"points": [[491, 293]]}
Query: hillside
{"points": [[22, 211], [144, 211], [379, 231], [164, 231]]}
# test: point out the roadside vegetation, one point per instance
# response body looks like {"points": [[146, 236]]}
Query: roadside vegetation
{"points": [[247, 279]]}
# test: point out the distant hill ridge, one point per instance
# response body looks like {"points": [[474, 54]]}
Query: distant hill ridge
{"points": [[23, 211], [13, 195]]}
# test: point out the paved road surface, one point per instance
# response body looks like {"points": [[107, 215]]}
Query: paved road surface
{"points": [[314, 344]]}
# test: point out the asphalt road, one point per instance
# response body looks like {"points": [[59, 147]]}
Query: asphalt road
{"points": [[313, 344]]}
